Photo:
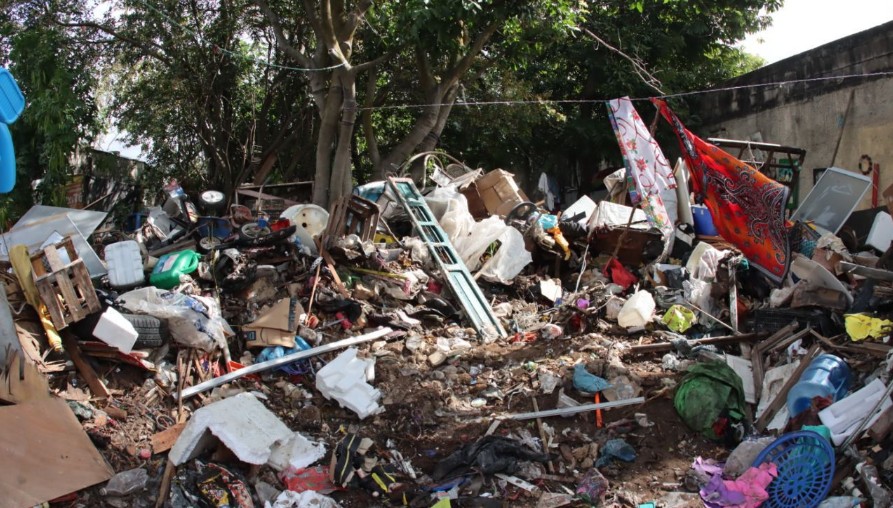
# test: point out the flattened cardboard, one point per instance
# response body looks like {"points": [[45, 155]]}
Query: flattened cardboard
{"points": [[46, 453], [277, 326]]}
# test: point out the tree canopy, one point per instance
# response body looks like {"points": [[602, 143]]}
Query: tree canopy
{"points": [[220, 92]]}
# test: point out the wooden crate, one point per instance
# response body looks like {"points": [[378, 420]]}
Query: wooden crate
{"points": [[66, 289], [352, 215]]}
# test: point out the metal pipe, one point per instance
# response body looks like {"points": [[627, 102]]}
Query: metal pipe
{"points": [[300, 355], [574, 410]]}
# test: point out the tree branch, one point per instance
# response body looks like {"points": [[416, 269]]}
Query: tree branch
{"points": [[454, 74], [638, 66], [150, 49], [281, 40]]}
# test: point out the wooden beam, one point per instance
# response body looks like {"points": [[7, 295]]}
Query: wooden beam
{"points": [[667, 346], [80, 362], [782, 396]]}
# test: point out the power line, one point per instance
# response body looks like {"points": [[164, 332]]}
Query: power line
{"points": [[666, 96]]}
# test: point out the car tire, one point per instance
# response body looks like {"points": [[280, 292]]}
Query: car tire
{"points": [[152, 331]]}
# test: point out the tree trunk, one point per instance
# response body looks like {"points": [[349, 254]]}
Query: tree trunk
{"points": [[410, 143], [342, 181], [328, 131]]}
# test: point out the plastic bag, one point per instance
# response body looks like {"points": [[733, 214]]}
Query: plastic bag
{"points": [[194, 321]]}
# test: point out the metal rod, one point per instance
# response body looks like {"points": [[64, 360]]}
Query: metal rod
{"points": [[574, 410], [260, 367]]}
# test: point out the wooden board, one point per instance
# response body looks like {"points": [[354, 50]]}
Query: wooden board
{"points": [[21, 381], [164, 440], [83, 366], [46, 453]]}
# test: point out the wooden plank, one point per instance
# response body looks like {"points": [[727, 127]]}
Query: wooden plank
{"points": [[53, 260], [72, 309], [330, 263], [74, 351], [782, 396], [21, 381], [726, 339], [164, 440], [46, 453]]}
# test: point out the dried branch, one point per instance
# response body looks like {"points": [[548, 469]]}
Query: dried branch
{"points": [[638, 65]]}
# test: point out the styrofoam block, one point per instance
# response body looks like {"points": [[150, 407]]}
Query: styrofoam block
{"points": [[298, 452], [241, 423], [844, 416], [344, 380], [113, 329]]}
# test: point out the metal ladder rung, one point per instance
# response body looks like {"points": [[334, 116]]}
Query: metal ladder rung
{"points": [[460, 281]]}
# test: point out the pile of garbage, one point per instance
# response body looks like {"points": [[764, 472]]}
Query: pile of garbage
{"points": [[459, 347]]}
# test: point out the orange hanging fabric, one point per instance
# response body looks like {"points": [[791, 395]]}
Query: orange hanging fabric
{"points": [[747, 206]]}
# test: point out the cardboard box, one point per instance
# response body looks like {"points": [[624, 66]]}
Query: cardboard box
{"points": [[277, 326], [498, 192]]}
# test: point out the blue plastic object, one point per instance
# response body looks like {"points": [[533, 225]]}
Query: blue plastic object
{"points": [[805, 462], [12, 102], [826, 376], [7, 160], [704, 225]]}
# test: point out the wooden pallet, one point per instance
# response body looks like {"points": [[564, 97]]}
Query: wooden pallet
{"points": [[66, 289], [352, 215]]}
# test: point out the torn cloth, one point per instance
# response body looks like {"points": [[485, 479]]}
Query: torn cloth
{"points": [[748, 491], [747, 206], [645, 163], [490, 454]]}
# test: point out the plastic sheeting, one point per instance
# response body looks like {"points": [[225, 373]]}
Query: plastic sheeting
{"points": [[472, 239]]}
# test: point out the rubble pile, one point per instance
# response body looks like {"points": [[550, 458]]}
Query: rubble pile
{"points": [[466, 347]]}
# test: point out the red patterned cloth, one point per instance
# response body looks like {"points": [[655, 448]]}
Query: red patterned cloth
{"points": [[747, 206]]}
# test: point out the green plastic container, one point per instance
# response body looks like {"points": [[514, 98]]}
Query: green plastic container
{"points": [[167, 272]]}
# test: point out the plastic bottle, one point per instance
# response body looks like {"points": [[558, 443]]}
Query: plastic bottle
{"points": [[637, 311], [826, 376], [126, 482], [170, 267]]}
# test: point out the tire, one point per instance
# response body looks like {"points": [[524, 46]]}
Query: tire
{"points": [[152, 331]]}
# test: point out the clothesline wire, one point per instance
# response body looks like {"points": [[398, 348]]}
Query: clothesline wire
{"points": [[636, 99]]}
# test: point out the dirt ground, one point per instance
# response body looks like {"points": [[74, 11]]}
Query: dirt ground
{"points": [[428, 414]]}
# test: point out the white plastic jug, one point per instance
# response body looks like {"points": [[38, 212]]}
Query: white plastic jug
{"points": [[637, 311], [125, 264]]}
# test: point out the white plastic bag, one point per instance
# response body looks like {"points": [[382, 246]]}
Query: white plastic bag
{"points": [[194, 321]]}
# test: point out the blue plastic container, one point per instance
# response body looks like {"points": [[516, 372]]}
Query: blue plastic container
{"points": [[703, 221], [7, 160], [12, 102], [826, 376], [805, 462]]}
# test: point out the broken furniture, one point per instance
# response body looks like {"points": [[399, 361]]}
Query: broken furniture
{"points": [[352, 215], [64, 286]]}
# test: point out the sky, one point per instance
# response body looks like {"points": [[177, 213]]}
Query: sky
{"points": [[798, 26], [805, 24]]}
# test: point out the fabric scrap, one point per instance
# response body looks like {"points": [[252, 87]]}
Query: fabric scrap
{"points": [[748, 207], [646, 166]]}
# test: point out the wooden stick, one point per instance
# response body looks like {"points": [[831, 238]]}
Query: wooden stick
{"points": [[165, 483], [539, 426], [80, 362], [667, 346], [599, 423], [782, 396], [313, 290]]}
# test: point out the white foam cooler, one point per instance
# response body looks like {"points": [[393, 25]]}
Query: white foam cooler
{"points": [[125, 264], [115, 330]]}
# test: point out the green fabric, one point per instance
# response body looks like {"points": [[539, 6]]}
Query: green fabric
{"points": [[707, 391]]}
